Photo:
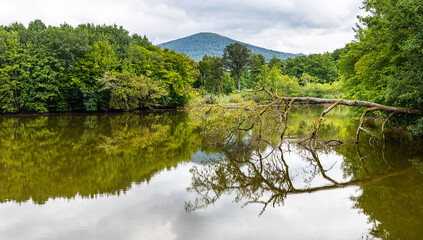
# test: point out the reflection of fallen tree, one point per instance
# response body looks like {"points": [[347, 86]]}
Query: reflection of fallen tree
{"points": [[373, 178], [263, 179]]}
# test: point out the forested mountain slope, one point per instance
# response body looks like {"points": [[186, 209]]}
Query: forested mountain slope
{"points": [[212, 44]]}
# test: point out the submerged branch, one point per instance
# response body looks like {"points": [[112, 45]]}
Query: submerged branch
{"points": [[315, 133], [384, 125]]}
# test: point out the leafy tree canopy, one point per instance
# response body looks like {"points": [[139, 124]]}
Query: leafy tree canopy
{"points": [[48, 68]]}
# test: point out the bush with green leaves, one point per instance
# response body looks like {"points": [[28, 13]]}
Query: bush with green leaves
{"points": [[127, 92]]}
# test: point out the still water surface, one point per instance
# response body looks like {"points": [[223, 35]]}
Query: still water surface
{"points": [[153, 176]]}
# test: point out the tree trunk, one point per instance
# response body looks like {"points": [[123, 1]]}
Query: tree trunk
{"points": [[358, 103], [371, 106], [239, 84]]}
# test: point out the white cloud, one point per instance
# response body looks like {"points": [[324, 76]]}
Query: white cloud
{"points": [[286, 25]]}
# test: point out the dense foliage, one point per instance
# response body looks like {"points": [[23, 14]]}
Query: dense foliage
{"points": [[320, 66], [87, 68], [315, 79], [213, 77], [385, 63]]}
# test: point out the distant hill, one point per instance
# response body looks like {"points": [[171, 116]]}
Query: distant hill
{"points": [[212, 44]]}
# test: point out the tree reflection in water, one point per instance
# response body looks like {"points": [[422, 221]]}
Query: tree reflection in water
{"points": [[48, 157], [264, 178]]}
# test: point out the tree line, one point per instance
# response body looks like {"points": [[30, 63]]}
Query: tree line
{"points": [[88, 68], [313, 75]]}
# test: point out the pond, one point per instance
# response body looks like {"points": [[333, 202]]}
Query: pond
{"points": [[163, 175]]}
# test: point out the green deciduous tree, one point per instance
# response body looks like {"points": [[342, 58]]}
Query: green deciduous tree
{"points": [[277, 62], [13, 68], [100, 59], [236, 57], [212, 76], [40, 90], [256, 65]]}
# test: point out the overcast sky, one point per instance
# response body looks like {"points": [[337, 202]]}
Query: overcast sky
{"points": [[296, 26]]}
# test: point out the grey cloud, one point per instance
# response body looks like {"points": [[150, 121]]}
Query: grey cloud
{"points": [[164, 20], [305, 13]]}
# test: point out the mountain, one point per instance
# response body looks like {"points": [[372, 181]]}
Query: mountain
{"points": [[212, 44]]}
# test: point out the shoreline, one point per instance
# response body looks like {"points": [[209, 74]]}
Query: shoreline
{"points": [[30, 114]]}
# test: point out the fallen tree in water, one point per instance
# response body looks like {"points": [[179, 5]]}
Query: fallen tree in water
{"points": [[286, 103], [253, 139]]}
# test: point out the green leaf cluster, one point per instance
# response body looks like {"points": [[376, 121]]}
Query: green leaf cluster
{"points": [[320, 66], [126, 92]]}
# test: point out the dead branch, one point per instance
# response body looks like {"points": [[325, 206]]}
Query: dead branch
{"points": [[315, 133], [360, 127]]}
